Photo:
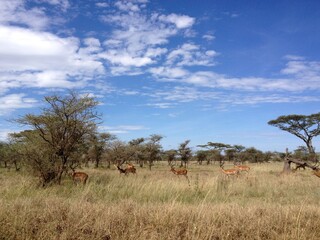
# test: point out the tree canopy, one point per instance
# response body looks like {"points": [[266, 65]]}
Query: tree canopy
{"points": [[305, 127], [57, 132]]}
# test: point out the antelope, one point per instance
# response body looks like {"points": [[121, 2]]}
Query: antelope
{"points": [[316, 172], [179, 172], [229, 172], [242, 168], [130, 169], [127, 170], [129, 165], [79, 177]]}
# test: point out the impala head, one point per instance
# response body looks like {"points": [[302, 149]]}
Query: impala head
{"points": [[129, 165]]}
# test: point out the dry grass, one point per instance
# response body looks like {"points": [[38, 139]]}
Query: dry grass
{"points": [[161, 205]]}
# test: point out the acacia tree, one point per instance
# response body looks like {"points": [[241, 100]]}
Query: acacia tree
{"points": [[118, 152], [98, 143], [153, 149], [185, 152], [59, 129], [170, 155], [201, 156], [305, 127], [137, 148], [215, 150]]}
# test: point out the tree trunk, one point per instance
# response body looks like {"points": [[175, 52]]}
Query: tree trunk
{"points": [[61, 169], [97, 160], [16, 165]]}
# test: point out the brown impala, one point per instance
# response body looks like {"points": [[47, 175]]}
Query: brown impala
{"points": [[127, 170], [230, 172], [79, 177], [316, 172], [243, 168], [179, 172]]}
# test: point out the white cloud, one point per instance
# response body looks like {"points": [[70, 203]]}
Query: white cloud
{"points": [[11, 102], [127, 6], [15, 12], [184, 94], [31, 58], [208, 37], [169, 73], [181, 21], [125, 59], [190, 55], [162, 105], [122, 128], [137, 38], [254, 99], [102, 4], [220, 100], [93, 45], [299, 76], [4, 133], [293, 57], [63, 4]]}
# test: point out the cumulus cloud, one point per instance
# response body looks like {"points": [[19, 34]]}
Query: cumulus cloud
{"points": [[62, 4], [15, 12], [181, 21], [168, 73], [127, 6], [11, 102], [190, 55], [30, 58], [102, 4], [138, 38]]}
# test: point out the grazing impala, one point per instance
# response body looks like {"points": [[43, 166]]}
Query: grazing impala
{"points": [[79, 177], [230, 172], [127, 170], [242, 168]]}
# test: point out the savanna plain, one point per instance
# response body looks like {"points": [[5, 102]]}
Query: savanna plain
{"points": [[157, 204]]}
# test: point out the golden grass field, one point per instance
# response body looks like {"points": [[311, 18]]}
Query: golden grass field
{"points": [[160, 205]]}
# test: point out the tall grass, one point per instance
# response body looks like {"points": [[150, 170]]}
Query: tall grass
{"points": [[159, 205]]}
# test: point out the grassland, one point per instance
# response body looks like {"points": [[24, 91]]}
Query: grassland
{"points": [[159, 205]]}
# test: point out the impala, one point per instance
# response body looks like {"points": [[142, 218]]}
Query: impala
{"points": [[129, 165], [316, 172], [179, 172], [229, 172], [79, 177], [127, 170], [242, 168]]}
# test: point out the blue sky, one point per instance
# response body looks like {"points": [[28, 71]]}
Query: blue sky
{"points": [[201, 70]]}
